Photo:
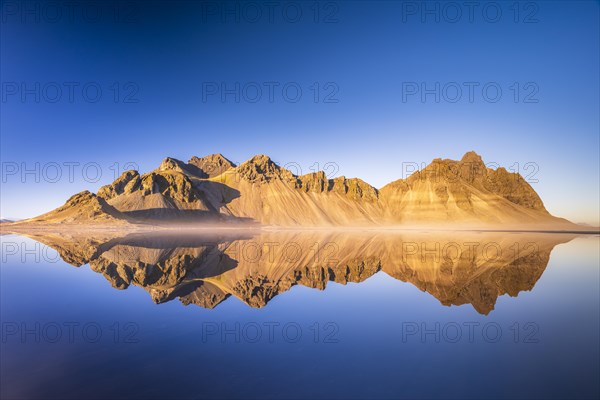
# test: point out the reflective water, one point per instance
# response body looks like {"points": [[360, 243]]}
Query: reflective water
{"points": [[300, 315]]}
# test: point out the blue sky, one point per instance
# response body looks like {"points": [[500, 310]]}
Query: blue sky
{"points": [[167, 75]]}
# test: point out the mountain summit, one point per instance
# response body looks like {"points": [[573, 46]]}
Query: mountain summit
{"points": [[214, 189]]}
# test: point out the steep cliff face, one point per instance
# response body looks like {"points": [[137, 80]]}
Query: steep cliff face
{"points": [[463, 191], [212, 188], [127, 183]]}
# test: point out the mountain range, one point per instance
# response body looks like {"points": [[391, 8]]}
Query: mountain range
{"points": [[213, 190]]}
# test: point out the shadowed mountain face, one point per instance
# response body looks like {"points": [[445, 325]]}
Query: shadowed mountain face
{"points": [[214, 189], [463, 268]]}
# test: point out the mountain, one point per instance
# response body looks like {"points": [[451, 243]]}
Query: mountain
{"points": [[464, 191], [213, 189], [210, 166], [84, 207], [458, 268]]}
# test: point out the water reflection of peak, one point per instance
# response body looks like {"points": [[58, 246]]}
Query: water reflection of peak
{"points": [[458, 268]]}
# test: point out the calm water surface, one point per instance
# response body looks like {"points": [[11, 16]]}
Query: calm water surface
{"points": [[300, 315]]}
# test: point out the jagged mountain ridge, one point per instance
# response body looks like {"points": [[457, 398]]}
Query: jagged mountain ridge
{"points": [[258, 190]]}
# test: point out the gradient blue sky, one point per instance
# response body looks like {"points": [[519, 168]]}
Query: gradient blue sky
{"points": [[169, 50]]}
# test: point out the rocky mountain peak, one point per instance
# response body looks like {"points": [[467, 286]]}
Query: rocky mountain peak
{"points": [[216, 158], [84, 197], [211, 165], [126, 183], [314, 182], [85, 200], [262, 161], [354, 188], [262, 168], [473, 158], [172, 164], [83, 207]]}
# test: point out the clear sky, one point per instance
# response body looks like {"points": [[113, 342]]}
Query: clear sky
{"points": [[103, 86]]}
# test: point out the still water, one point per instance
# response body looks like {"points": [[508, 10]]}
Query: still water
{"points": [[300, 315]]}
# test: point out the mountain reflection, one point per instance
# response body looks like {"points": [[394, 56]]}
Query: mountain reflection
{"points": [[457, 267]]}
